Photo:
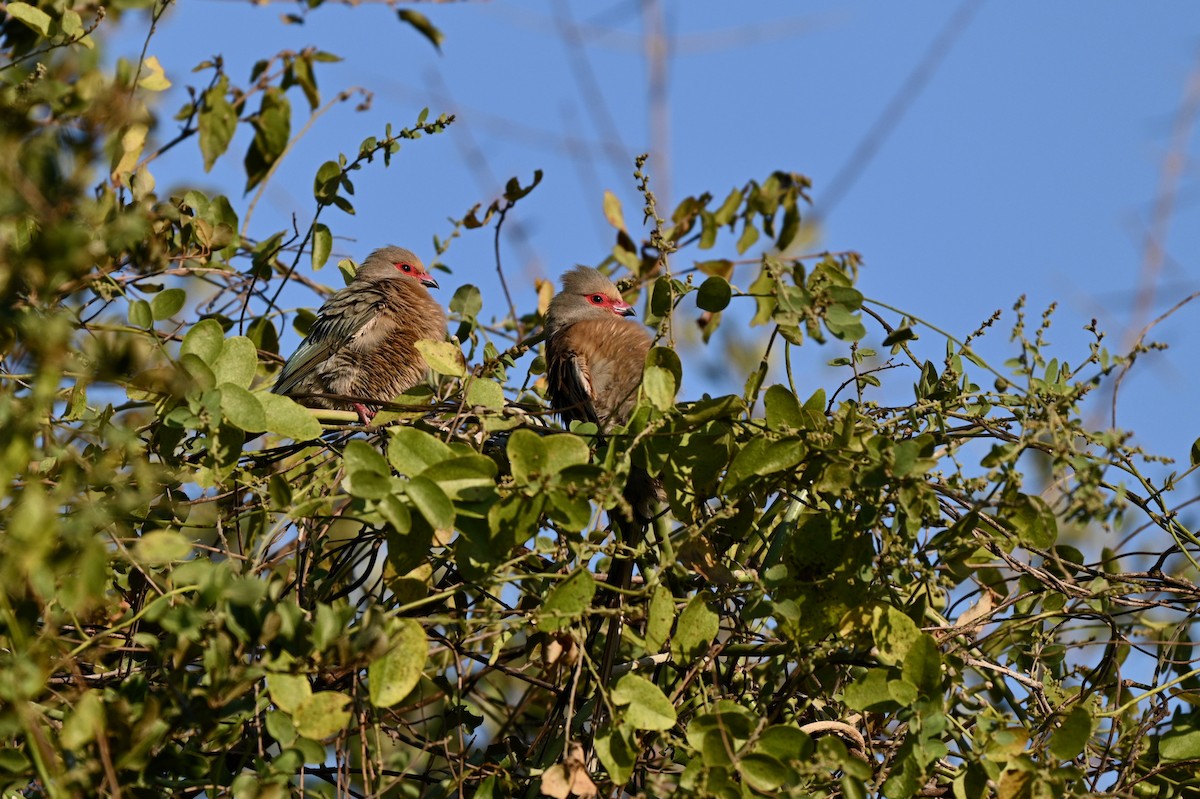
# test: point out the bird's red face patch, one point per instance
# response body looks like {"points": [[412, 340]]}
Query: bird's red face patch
{"points": [[415, 272], [614, 305]]}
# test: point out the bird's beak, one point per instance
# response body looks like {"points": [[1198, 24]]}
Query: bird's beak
{"points": [[428, 282], [623, 308]]}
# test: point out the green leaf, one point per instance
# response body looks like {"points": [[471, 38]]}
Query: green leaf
{"points": [[485, 394], [894, 632], [725, 214], [140, 314], [327, 181], [785, 743], [85, 722], [763, 772], [470, 478], [563, 450], [661, 377], [1031, 520], [218, 121], [783, 409], [14, 761], [660, 617], [242, 408], [659, 386], [761, 457], [442, 357], [393, 676], [396, 513], [199, 372], [32, 17], [570, 512], [567, 602], [262, 334], [280, 727], [1180, 746], [899, 336], [647, 707], [411, 451], [1072, 735], [660, 300], [167, 303], [322, 245], [368, 485], [697, 628], [902, 692], [467, 301], [323, 714], [432, 503], [303, 74], [714, 294], [423, 26], [237, 362], [870, 692], [288, 418], [162, 546], [513, 190], [747, 239], [527, 456], [722, 267], [729, 721], [288, 691], [71, 23], [272, 130], [844, 324], [618, 753], [361, 456], [923, 665], [367, 472]]}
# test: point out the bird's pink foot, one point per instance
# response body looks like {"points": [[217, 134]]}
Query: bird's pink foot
{"points": [[364, 413]]}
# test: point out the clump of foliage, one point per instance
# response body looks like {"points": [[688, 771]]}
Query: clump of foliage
{"points": [[204, 589]]}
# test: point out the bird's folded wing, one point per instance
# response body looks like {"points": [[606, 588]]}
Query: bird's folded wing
{"points": [[572, 386], [341, 319]]}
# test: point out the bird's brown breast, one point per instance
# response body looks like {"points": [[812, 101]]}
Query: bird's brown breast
{"points": [[596, 364]]}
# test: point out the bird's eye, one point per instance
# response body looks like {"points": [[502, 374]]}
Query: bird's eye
{"points": [[597, 299], [404, 267]]}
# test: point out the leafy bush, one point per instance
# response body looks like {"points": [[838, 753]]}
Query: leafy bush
{"points": [[210, 589]]}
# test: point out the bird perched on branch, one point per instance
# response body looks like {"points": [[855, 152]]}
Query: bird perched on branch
{"points": [[593, 356], [363, 343], [594, 361]]}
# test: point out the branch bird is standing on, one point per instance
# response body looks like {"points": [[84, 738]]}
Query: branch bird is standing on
{"points": [[363, 344]]}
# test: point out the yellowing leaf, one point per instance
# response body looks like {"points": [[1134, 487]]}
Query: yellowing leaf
{"points": [[154, 80], [133, 141], [612, 210], [162, 546], [393, 676], [323, 714], [32, 17], [288, 691], [648, 708], [443, 357], [545, 292]]}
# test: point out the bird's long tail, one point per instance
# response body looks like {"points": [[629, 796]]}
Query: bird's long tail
{"points": [[642, 493]]}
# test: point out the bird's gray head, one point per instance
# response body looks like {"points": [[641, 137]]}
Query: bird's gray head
{"points": [[392, 262], [586, 294]]}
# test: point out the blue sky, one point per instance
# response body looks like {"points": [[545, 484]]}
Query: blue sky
{"points": [[1028, 162]]}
